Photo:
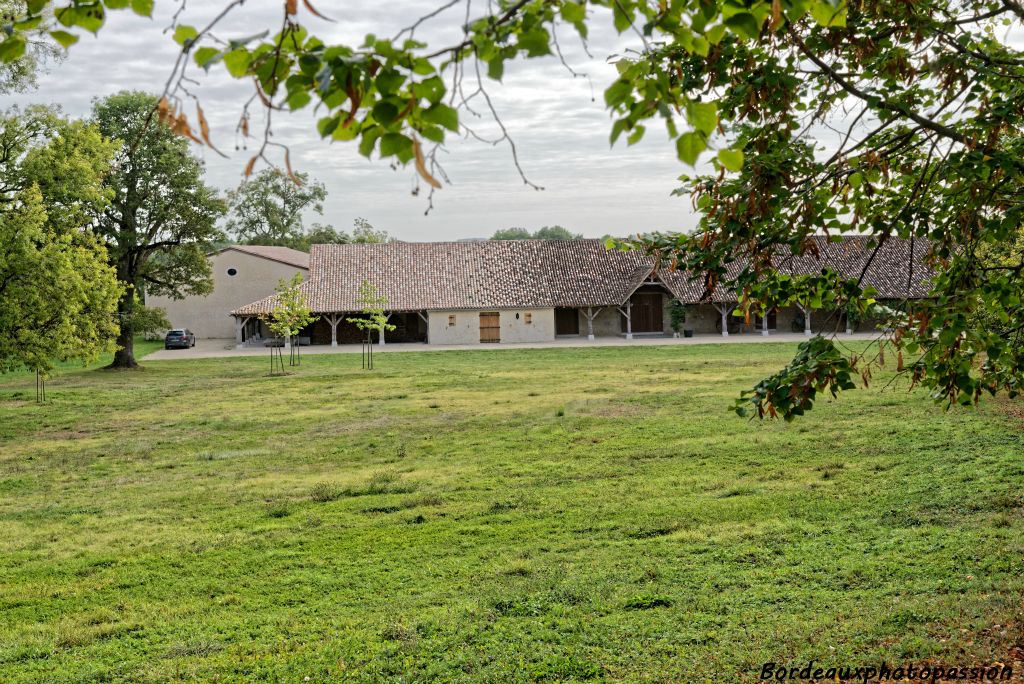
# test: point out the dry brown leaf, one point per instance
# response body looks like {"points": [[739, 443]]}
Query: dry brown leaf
{"points": [[291, 7], [182, 128], [204, 129], [308, 5], [252, 163], [263, 98], [163, 109], [421, 165], [245, 125], [776, 14], [288, 165]]}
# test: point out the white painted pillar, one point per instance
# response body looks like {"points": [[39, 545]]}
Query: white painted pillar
{"points": [[333, 320], [807, 321], [590, 323], [239, 324], [287, 342], [382, 330], [764, 324], [629, 319], [725, 321], [426, 319]]}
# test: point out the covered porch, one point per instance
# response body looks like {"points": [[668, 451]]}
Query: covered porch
{"points": [[332, 329]]}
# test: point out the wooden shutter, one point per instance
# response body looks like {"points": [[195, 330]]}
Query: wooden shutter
{"points": [[490, 326]]}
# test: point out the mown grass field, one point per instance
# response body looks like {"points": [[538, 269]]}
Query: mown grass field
{"points": [[495, 516]]}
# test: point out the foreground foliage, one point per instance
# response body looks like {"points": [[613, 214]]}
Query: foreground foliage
{"points": [[514, 516]]}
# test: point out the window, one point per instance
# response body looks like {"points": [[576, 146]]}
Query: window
{"points": [[232, 272], [529, 318], [451, 319]]}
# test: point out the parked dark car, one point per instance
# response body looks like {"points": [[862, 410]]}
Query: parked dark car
{"points": [[181, 338]]}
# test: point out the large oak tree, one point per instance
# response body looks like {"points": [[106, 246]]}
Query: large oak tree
{"points": [[162, 218]]}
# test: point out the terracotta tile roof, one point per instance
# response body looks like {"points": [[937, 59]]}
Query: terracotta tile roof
{"points": [[285, 255], [891, 272], [421, 276]]}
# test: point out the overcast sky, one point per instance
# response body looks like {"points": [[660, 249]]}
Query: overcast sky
{"points": [[558, 122]]}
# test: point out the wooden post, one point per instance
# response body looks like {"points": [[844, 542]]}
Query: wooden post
{"points": [[333, 321], [724, 310], [627, 312], [427, 321]]}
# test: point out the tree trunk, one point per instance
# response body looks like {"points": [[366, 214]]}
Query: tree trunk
{"points": [[124, 357]]}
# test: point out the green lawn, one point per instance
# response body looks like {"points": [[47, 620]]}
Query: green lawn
{"points": [[495, 516]]}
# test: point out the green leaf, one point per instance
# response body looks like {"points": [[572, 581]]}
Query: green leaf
{"points": [[237, 62], [433, 89], [143, 7], [635, 137], [573, 12], [715, 34], [185, 34], [617, 93], [298, 99], [621, 20], [327, 124], [384, 113], [389, 81], [64, 38], [205, 56], [394, 144], [731, 159], [744, 24], [689, 146], [434, 133], [12, 48], [827, 14], [496, 68], [442, 115], [535, 42], [703, 116], [856, 179], [369, 140]]}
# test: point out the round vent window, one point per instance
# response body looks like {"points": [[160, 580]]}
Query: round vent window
{"points": [[232, 272]]}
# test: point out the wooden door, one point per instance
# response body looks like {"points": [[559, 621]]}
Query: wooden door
{"points": [[490, 326], [646, 313], [567, 321]]}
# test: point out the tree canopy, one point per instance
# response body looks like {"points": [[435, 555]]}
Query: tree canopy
{"points": [[19, 69], [57, 292], [269, 209], [162, 217], [545, 233], [920, 104]]}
